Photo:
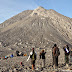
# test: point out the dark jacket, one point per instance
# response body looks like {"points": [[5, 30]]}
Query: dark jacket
{"points": [[42, 55], [56, 51]]}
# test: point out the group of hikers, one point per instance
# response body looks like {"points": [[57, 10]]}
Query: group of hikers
{"points": [[55, 54]]}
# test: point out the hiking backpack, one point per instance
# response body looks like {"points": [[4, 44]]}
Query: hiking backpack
{"points": [[33, 56], [67, 53], [57, 52]]}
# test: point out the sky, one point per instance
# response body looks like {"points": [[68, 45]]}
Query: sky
{"points": [[9, 8]]}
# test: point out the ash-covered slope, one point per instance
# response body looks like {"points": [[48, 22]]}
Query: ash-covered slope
{"points": [[16, 18], [40, 28]]}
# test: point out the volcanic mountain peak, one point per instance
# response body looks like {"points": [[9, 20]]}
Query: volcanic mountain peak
{"points": [[39, 8], [52, 14], [43, 9], [40, 11]]}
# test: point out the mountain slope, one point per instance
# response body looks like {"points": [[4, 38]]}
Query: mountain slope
{"points": [[38, 26], [16, 18]]}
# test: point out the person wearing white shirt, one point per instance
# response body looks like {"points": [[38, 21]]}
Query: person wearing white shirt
{"points": [[33, 56]]}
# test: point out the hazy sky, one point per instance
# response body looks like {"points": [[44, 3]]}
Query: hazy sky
{"points": [[9, 8]]}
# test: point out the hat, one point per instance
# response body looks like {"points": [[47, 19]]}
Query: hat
{"points": [[32, 48]]}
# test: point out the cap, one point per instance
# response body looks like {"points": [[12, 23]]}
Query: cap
{"points": [[32, 48]]}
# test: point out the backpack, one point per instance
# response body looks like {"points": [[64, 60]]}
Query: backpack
{"points": [[57, 52], [11, 56], [67, 52], [33, 56]]}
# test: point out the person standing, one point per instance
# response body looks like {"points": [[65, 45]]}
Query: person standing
{"points": [[56, 53], [52, 54], [71, 56], [66, 52], [33, 56], [42, 56]]}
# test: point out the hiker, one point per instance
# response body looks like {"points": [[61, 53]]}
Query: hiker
{"points": [[52, 54], [42, 56], [17, 53], [56, 53], [33, 56], [67, 52]]}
